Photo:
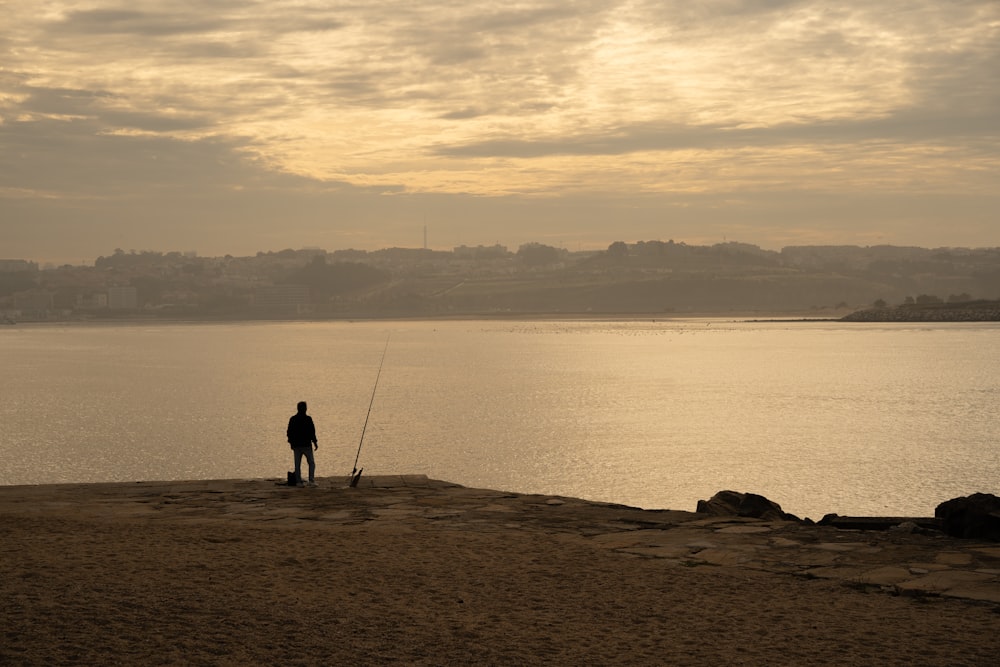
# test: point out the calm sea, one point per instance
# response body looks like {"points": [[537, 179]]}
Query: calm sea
{"points": [[818, 416]]}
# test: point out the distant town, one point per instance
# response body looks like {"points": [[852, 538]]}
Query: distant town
{"points": [[646, 278]]}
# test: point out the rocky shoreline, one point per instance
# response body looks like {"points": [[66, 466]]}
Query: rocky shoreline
{"points": [[973, 311]]}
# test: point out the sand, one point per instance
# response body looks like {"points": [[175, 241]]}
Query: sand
{"points": [[247, 572]]}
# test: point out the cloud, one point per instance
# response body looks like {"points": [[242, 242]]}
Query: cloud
{"points": [[75, 158], [138, 23], [461, 114], [345, 106], [645, 137], [100, 107], [171, 19]]}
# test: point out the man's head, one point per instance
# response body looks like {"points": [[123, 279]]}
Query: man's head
{"points": [[302, 406]]}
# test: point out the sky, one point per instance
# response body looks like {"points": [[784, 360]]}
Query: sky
{"points": [[234, 127]]}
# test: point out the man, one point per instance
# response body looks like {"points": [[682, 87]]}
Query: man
{"points": [[302, 437]]}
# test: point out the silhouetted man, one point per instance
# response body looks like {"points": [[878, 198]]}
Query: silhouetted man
{"points": [[302, 438]]}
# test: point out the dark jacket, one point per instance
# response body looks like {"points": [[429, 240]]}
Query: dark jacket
{"points": [[301, 430]]}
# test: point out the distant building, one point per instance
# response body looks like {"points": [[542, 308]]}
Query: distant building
{"points": [[123, 297], [35, 303], [95, 300], [283, 300], [12, 265]]}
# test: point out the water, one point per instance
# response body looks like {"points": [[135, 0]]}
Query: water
{"points": [[820, 416]]}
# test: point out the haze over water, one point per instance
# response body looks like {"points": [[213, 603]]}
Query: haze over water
{"points": [[820, 417]]}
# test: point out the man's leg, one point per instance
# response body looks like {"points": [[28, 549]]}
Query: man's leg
{"points": [[298, 464], [311, 460]]}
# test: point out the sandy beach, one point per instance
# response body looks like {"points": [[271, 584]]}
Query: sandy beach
{"points": [[410, 571]]}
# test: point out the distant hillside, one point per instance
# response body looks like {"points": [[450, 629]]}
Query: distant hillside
{"points": [[653, 278], [658, 278]]}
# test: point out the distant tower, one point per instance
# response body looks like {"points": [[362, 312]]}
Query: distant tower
{"points": [[425, 237]]}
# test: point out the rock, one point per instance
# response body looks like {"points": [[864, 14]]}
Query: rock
{"points": [[906, 527], [733, 503], [896, 523], [975, 516]]}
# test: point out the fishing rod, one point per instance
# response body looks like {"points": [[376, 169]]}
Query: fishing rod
{"points": [[355, 473]]}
